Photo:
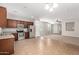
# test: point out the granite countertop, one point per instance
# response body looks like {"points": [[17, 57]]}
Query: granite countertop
{"points": [[6, 36]]}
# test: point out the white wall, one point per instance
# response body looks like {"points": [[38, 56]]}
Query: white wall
{"points": [[52, 28], [71, 33], [37, 28], [42, 28], [55, 28]]}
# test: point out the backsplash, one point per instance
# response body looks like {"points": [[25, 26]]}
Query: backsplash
{"points": [[12, 30]]}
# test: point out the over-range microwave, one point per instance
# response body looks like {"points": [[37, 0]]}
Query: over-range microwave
{"points": [[20, 25]]}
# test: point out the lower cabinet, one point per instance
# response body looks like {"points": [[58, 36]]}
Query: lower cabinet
{"points": [[6, 46], [26, 35], [16, 36]]}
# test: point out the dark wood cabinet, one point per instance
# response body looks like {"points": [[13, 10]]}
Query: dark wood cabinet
{"points": [[21, 22], [3, 16], [26, 35], [6, 46], [25, 25], [12, 23], [30, 23], [16, 36]]}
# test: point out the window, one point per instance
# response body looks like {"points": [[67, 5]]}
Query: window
{"points": [[70, 26]]}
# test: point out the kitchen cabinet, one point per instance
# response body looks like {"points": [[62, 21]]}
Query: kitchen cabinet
{"points": [[16, 36], [21, 22], [3, 16], [25, 25], [17, 21], [12, 24], [6, 46], [30, 23], [26, 35]]}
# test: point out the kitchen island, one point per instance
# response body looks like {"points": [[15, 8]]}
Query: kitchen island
{"points": [[6, 44]]}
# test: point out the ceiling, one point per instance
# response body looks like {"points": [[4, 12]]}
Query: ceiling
{"points": [[32, 11]]}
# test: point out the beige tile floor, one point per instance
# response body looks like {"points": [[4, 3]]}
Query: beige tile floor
{"points": [[48, 45]]}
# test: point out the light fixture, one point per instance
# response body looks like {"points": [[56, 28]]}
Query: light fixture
{"points": [[58, 21], [51, 6]]}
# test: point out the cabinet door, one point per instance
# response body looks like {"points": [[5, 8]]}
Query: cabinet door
{"points": [[3, 20], [25, 25], [26, 35], [7, 46], [30, 23], [16, 36], [21, 22], [12, 23]]}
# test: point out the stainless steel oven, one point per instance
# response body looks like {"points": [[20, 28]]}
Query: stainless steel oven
{"points": [[20, 31], [21, 35]]}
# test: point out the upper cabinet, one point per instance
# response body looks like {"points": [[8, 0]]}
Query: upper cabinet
{"points": [[13, 23], [3, 17], [30, 23]]}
